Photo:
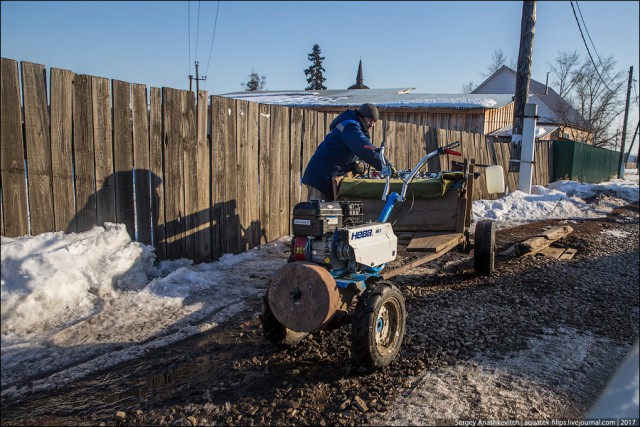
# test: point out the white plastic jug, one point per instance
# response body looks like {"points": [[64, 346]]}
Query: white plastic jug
{"points": [[495, 179]]}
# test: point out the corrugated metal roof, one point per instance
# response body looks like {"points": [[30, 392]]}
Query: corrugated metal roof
{"points": [[541, 131], [383, 98], [552, 107]]}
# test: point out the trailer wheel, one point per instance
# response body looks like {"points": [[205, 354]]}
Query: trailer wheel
{"points": [[485, 248], [275, 331], [378, 325]]}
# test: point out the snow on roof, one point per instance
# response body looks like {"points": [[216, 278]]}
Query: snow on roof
{"points": [[540, 131], [382, 98]]}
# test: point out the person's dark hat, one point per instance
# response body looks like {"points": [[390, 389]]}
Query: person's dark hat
{"points": [[370, 111]]}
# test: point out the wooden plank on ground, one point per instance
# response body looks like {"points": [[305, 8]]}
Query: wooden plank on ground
{"points": [[62, 148], [413, 264], [433, 241], [38, 147], [86, 217], [142, 177], [552, 252], [568, 253], [404, 238], [14, 188], [123, 155], [156, 150], [535, 244], [103, 149]]}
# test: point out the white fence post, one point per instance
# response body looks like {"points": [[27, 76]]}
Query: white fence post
{"points": [[528, 148]]}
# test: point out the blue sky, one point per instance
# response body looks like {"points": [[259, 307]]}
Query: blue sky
{"points": [[432, 46]]}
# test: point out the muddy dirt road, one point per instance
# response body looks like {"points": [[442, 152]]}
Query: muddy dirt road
{"points": [[538, 340]]}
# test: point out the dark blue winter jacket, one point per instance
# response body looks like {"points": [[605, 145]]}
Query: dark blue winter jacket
{"points": [[347, 141]]}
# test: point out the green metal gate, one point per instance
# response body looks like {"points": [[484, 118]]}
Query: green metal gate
{"points": [[581, 162]]}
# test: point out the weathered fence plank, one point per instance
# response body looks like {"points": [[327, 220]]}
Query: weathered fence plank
{"points": [[142, 177], [295, 157], [156, 153], [253, 227], [266, 173], [225, 169], [160, 174], [62, 148], [248, 195], [83, 154], [279, 166], [103, 149], [203, 179], [309, 140], [38, 147], [189, 137], [174, 173], [123, 155], [230, 193], [218, 124], [14, 188]]}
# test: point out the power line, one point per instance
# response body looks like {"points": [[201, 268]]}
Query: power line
{"points": [[189, 34], [589, 35], [212, 37], [587, 47], [197, 32]]}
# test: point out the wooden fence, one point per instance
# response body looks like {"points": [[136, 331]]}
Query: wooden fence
{"points": [[193, 179]]}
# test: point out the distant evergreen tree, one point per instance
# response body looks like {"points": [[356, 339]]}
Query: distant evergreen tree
{"points": [[255, 82], [315, 78]]}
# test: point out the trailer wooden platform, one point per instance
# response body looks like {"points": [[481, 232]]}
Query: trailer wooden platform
{"points": [[429, 225]]}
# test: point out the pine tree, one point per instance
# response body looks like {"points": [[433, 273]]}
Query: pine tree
{"points": [[315, 78], [256, 82]]}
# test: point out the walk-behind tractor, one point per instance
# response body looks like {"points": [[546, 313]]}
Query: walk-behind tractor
{"points": [[334, 275]]}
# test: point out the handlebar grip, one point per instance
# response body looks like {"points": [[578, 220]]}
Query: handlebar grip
{"points": [[454, 153]]}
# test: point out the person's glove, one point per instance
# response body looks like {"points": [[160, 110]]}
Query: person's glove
{"points": [[359, 167]]}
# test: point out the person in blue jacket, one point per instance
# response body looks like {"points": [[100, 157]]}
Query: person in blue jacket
{"points": [[340, 152]]}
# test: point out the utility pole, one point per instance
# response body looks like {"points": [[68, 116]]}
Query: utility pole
{"points": [[197, 79], [624, 126], [626, 158], [523, 75]]}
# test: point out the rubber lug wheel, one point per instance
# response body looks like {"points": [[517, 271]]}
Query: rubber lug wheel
{"points": [[485, 248], [275, 331], [378, 325]]}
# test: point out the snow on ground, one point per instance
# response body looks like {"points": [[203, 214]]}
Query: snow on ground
{"points": [[504, 389], [78, 303], [559, 200]]}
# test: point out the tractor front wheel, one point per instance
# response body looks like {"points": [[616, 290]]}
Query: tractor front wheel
{"points": [[378, 325], [275, 331]]}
